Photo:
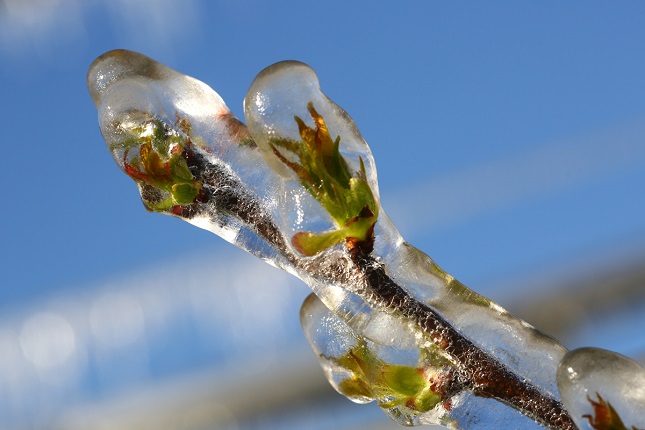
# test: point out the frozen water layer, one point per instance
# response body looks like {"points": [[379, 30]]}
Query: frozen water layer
{"points": [[299, 190]]}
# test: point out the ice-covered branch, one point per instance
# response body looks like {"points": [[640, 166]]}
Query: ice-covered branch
{"points": [[298, 189]]}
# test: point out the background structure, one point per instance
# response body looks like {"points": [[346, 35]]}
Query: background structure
{"points": [[510, 145]]}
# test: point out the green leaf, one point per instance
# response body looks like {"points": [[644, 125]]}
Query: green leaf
{"points": [[179, 169], [405, 380], [185, 194], [426, 400], [309, 244], [354, 387]]}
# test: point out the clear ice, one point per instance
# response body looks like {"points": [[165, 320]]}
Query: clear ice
{"points": [[298, 189], [602, 389]]}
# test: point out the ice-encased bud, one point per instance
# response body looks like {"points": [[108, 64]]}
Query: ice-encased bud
{"points": [[412, 385], [282, 92], [375, 358], [172, 134], [306, 137], [593, 381]]}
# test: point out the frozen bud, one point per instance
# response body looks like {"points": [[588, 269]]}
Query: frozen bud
{"points": [[159, 126], [414, 386], [602, 389], [306, 137], [286, 90]]}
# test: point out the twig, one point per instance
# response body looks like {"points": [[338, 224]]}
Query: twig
{"points": [[477, 372]]}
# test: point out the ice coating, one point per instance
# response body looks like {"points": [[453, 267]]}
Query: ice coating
{"points": [[176, 138], [593, 381], [283, 92], [311, 142], [299, 191], [413, 385], [276, 96]]}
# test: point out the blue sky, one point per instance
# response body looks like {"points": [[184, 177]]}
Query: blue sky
{"points": [[509, 139], [447, 95]]}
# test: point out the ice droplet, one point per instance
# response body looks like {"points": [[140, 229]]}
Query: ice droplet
{"points": [[593, 375]]}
